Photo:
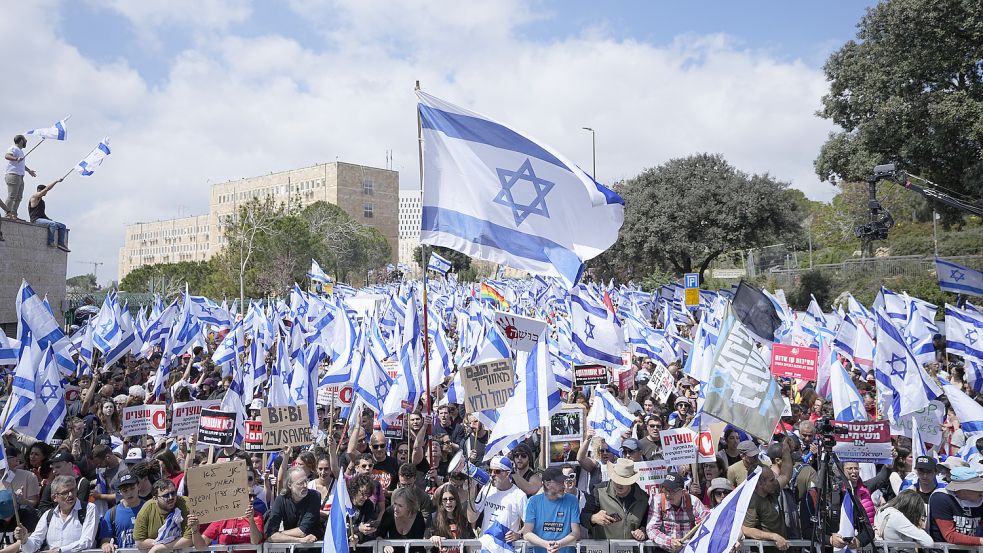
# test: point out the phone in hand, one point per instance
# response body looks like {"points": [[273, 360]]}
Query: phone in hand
{"points": [[616, 517]]}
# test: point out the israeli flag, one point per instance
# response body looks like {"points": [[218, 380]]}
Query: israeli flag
{"points": [[721, 530], [407, 388], [597, 334], [439, 264], [964, 332], [318, 275], [958, 279], [58, 131], [499, 196], [906, 388], [341, 510], [846, 530], [87, 166], [8, 350], [848, 404], [46, 415], [609, 418], [968, 411]]}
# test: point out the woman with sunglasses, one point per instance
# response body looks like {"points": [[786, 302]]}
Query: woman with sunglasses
{"points": [[450, 519], [718, 490]]}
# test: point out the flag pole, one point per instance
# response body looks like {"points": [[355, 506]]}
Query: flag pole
{"points": [[426, 327], [68, 173], [34, 148]]}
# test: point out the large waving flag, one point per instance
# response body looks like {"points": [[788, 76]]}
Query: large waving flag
{"points": [[58, 131], [848, 404], [721, 530], [496, 195], [609, 418], [87, 166], [48, 412], [958, 279], [903, 384], [597, 334]]}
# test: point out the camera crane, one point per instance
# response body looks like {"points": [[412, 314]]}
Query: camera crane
{"points": [[881, 220]]}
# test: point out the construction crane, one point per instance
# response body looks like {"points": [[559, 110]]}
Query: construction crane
{"points": [[881, 220], [95, 269]]}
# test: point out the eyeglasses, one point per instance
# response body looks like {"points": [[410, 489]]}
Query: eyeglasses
{"points": [[497, 471], [449, 499], [570, 477], [168, 495], [65, 492], [720, 493], [523, 455], [378, 446]]}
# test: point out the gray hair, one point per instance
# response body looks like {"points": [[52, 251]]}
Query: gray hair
{"points": [[62, 482], [292, 475]]}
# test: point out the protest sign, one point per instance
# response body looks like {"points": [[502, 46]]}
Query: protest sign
{"points": [[929, 420], [217, 428], [397, 429], [567, 424], [286, 426], [865, 442], [794, 361], [218, 491], [678, 446], [522, 333], [253, 440], [331, 396], [589, 375], [705, 448], [184, 421], [651, 474], [391, 368], [150, 420], [487, 385], [626, 379], [661, 383]]}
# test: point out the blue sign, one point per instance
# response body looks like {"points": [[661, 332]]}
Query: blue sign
{"points": [[691, 280]]}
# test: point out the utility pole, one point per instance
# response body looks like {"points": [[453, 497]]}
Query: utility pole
{"points": [[95, 269]]}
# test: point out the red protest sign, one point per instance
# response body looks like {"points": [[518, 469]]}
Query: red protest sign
{"points": [[253, 440], [794, 361]]}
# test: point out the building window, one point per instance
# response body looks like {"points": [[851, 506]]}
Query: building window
{"points": [[367, 187], [367, 211]]}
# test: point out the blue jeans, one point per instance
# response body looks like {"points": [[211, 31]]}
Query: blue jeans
{"points": [[54, 226]]}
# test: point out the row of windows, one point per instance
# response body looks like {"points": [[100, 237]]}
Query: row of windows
{"points": [[171, 249], [295, 187], [167, 233]]}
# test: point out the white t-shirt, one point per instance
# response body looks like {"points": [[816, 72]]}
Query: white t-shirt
{"points": [[15, 167], [507, 507]]}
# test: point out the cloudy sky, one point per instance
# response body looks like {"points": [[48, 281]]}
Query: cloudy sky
{"points": [[193, 92]]}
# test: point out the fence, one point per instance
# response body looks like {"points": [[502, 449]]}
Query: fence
{"points": [[582, 546], [877, 267]]}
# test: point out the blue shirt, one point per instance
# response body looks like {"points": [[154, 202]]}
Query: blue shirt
{"points": [[551, 520], [123, 532]]}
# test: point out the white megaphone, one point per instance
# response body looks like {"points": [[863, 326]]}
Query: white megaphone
{"points": [[460, 464]]}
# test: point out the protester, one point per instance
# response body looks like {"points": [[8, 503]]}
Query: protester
{"points": [[524, 476], [552, 518], [297, 508], [36, 211], [239, 530], [450, 519], [14, 175], [749, 453], [402, 521], [364, 521], [954, 512], [718, 490], [63, 464], [673, 512], [73, 530], [116, 526], [618, 508], [166, 523], [902, 519], [500, 502]]}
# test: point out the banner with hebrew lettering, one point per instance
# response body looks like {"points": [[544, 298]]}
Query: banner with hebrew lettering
{"points": [[741, 389]]}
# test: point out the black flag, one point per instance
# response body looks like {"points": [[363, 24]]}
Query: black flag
{"points": [[756, 311]]}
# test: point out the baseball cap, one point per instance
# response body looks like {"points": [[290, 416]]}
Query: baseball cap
{"points": [[134, 455], [630, 443], [926, 463], [63, 457], [672, 482], [501, 463], [126, 480], [747, 448]]}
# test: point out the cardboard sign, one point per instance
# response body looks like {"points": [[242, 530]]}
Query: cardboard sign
{"points": [[929, 422], [866, 442], [145, 420], [678, 446], [794, 361], [651, 474], [626, 379], [184, 421], [253, 440], [286, 426], [590, 375], [706, 448], [662, 383], [396, 430], [487, 385], [217, 428], [522, 333], [331, 396], [218, 491]]}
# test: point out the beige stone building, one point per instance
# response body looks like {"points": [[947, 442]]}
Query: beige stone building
{"points": [[369, 194]]}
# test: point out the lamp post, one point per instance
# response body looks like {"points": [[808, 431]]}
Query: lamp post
{"points": [[593, 147]]}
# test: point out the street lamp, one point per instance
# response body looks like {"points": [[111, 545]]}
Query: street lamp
{"points": [[593, 147]]}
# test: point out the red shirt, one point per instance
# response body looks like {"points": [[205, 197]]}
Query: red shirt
{"points": [[232, 531]]}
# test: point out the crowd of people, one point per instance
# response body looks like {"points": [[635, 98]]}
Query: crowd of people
{"points": [[95, 487]]}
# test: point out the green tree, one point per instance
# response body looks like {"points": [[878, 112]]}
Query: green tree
{"points": [[910, 90], [82, 284], [682, 215], [167, 279]]}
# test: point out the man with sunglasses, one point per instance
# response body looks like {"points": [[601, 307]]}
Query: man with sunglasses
{"points": [[116, 526], [500, 504], [524, 476], [651, 444], [385, 469], [166, 523]]}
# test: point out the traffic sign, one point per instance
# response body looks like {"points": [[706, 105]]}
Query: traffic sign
{"points": [[691, 280], [692, 296]]}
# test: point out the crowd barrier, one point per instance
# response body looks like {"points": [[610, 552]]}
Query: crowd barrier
{"points": [[583, 546]]}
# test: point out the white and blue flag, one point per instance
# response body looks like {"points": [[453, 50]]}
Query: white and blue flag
{"points": [[609, 418], [439, 264], [968, 411], [87, 166], [316, 274], [902, 382], [964, 333], [341, 510], [958, 279], [597, 333], [496, 195], [847, 530], [58, 131], [721, 530], [848, 404]]}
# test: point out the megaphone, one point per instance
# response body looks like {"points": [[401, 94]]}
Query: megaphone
{"points": [[460, 464]]}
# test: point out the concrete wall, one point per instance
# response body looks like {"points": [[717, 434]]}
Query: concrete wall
{"points": [[25, 255]]}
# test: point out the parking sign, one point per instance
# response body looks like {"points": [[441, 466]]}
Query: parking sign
{"points": [[691, 280]]}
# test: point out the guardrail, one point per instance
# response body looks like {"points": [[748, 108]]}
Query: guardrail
{"points": [[582, 546]]}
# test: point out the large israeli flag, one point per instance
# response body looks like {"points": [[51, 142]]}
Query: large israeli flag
{"points": [[958, 279], [499, 196], [87, 166], [609, 418], [58, 131], [597, 333], [721, 530]]}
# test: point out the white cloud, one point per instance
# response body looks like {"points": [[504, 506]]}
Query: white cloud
{"points": [[233, 107]]}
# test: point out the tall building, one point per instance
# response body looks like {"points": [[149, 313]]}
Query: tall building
{"points": [[410, 214], [368, 194]]}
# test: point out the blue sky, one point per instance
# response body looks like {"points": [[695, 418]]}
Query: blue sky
{"points": [[194, 92]]}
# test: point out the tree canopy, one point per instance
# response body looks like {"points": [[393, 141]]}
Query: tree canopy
{"points": [[682, 215], [909, 90]]}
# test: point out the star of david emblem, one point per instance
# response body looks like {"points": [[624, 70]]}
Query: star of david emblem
{"points": [[957, 276], [507, 196], [104, 327], [381, 390], [971, 335], [912, 340], [48, 392], [300, 391], [694, 544], [605, 426], [589, 326], [895, 358], [302, 310]]}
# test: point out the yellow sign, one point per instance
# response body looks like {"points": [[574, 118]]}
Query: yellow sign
{"points": [[692, 296]]}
